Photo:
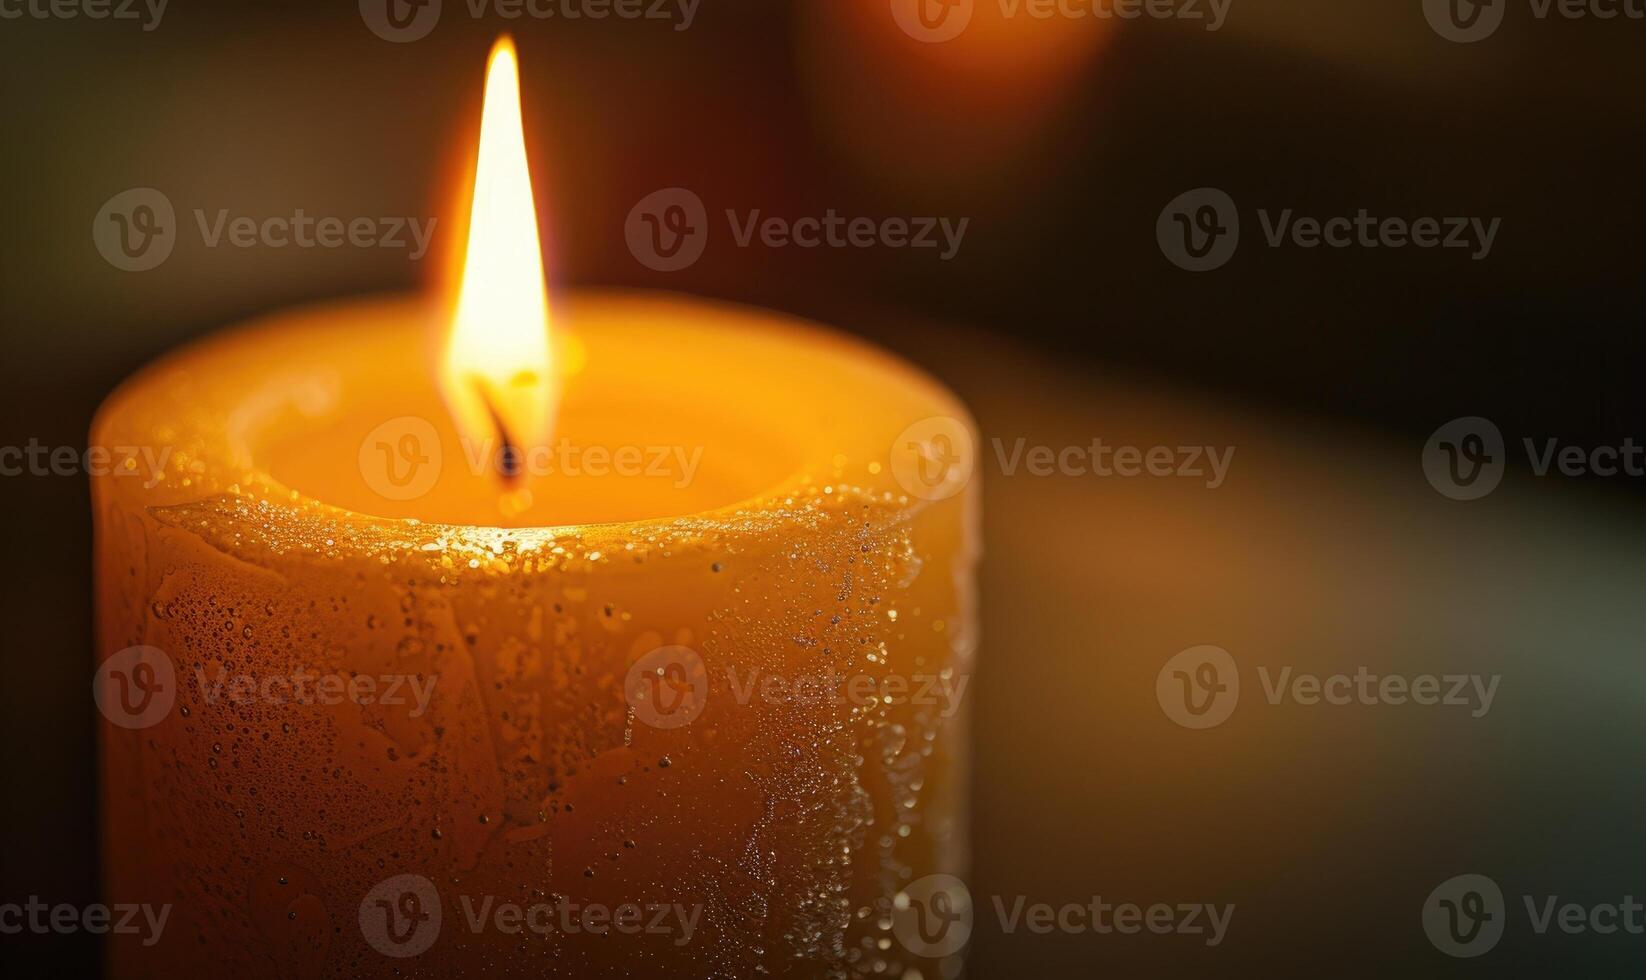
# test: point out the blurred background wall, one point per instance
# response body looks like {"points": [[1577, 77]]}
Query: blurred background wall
{"points": [[1060, 142]]}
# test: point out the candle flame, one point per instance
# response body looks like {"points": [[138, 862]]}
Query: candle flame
{"points": [[496, 372]]}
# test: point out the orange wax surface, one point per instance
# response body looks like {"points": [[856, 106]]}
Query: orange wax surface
{"points": [[734, 499]]}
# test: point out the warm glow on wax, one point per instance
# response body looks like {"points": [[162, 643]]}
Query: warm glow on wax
{"points": [[496, 373]]}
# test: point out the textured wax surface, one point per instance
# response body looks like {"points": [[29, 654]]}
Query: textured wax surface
{"points": [[785, 824]]}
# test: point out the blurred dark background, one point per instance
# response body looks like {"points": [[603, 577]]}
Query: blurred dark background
{"points": [[1060, 140]]}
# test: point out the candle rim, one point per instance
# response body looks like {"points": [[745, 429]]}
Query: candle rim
{"points": [[270, 496]]}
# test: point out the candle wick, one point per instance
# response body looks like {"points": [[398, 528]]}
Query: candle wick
{"points": [[509, 457]]}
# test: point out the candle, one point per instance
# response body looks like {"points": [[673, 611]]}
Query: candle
{"points": [[627, 634]]}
